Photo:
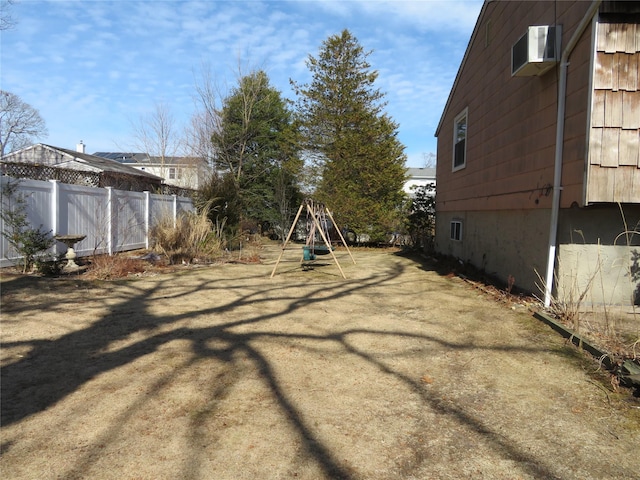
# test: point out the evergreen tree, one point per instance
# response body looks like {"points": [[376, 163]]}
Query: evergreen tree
{"points": [[255, 144], [353, 144]]}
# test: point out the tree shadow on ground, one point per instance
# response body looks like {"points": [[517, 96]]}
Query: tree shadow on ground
{"points": [[54, 369]]}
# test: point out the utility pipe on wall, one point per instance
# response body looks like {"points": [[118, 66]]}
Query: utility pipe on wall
{"points": [[557, 173]]}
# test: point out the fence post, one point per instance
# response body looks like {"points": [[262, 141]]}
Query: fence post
{"points": [[54, 212], [175, 210], [109, 220], [147, 215], [55, 207]]}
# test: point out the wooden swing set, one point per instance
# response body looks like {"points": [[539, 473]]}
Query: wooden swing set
{"points": [[317, 225]]}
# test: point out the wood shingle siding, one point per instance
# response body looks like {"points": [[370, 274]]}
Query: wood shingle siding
{"points": [[614, 137]]}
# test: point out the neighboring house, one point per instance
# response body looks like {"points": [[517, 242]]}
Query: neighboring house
{"points": [[538, 159], [97, 171], [185, 172], [419, 177]]}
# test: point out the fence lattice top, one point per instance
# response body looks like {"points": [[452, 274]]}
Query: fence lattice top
{"points": [[116, 180]]}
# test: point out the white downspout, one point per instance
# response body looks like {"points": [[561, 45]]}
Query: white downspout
{"points": [[557, 173]]}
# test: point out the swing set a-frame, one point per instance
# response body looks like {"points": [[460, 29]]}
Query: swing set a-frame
{"points": [[317, 225]]}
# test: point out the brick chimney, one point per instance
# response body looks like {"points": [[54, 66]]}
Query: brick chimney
{"points": [[80, 147]]}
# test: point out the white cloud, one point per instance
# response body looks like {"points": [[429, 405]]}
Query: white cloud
{"points": [[78, 61]]}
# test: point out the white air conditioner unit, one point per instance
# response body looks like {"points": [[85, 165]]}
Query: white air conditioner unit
{"points": [[536, 51]]}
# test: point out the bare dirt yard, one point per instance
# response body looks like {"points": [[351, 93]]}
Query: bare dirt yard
{"points": [[221, 372]]}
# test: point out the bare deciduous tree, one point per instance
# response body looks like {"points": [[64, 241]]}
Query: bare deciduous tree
{"points": [[198, 137], [155, 134], [205, 121], [247, 136], [7, 21], [209, 122], [19, 123]]}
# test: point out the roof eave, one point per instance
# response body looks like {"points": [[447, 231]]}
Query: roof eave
{"points": [[461, 67]]}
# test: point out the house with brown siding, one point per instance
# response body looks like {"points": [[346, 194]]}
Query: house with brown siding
{"points": [[538, 162]]}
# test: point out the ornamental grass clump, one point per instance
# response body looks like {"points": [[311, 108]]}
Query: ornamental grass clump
{"points": [[191, 238]]}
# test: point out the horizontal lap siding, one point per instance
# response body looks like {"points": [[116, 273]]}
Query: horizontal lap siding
{"points": [[512, 120]]}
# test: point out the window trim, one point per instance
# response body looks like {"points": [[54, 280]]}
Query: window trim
{"points": [[453, 230], [456, 121]]}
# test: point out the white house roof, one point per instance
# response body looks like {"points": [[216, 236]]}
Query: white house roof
{"points": [[422, 173], [419, 177]]}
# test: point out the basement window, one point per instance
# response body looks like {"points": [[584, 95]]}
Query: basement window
{"points": [[456, 230]]}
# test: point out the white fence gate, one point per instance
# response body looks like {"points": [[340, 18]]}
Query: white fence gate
{"points": [[112, 220]]}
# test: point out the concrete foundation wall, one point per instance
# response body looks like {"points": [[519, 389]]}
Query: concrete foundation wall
{"points": [[502, 243], [594, 257], [596, 275]]}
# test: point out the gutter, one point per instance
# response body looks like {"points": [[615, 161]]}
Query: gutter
{"points": [[557, 173]]}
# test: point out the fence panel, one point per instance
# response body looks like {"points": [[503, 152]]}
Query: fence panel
{"points": [[161, 207], [38, 209], [83, 211], [129, 217], [184, 204], [112, 220]]}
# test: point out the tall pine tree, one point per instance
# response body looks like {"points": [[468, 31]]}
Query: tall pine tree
{"points": [[353, 144], [256, 145]]}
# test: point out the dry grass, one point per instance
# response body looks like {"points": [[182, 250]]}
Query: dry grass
{"points": [[192, 237], [105, 267], [221, 372]]}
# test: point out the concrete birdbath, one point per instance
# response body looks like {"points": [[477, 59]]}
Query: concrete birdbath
{"points": [[70, 241]]}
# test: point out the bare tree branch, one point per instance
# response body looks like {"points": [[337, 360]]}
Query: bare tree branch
{"points": [[19, 123], [7, 20], [155, 134]]}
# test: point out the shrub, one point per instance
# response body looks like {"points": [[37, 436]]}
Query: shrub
{"points": [[108, 267], [27, 241], [422, 217], [192, 237]]}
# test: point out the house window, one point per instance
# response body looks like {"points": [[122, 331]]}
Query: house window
{"points": [[173, 173], [460, 141], [456, 230]]}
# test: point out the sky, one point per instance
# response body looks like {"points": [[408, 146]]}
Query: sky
{"points": [[94, 68]]}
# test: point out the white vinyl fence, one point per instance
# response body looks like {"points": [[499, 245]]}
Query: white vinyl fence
{"points": [[112, 220]]}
